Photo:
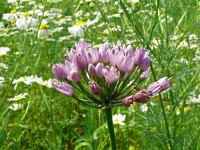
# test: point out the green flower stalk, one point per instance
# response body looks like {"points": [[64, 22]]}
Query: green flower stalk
{"points": [[107, 76]]}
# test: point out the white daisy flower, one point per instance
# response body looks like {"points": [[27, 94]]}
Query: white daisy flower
{"points": [[18, 97], [12, 16], [76, 30], [1, 81], [4, 66], [4, 50], [27, 80], [144, 108], [43, 31], [15, 106], [25, 21], [118, 119]]}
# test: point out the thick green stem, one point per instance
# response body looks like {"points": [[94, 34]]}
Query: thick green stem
{"points": [[109, 120]]}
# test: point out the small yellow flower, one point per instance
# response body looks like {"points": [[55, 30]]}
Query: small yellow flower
{"points": [[186, 109], [154, 129]]}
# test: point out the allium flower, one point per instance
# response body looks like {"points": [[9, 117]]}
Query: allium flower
{"points": [[106, 74], [119, 119]]}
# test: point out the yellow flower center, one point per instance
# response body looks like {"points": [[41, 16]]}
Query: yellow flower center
{"points": [[25, 14], [17, 97], [43, 27], [186, 109], [13, 11], [78, 23]]}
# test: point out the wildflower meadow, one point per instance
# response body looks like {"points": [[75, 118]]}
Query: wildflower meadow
{"points": [[100, 74]]}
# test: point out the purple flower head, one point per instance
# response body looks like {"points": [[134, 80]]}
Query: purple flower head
{"points": [[63, 88], [94, 87], [145, 74], [91, 70], [114, 67], [139, 55], [59, 71], [99, 69], [128, 101], [103, 52], [142, 96], [111, 75]]}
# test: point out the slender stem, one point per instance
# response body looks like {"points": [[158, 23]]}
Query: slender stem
{"points": [[164, 114], [109, 120]]}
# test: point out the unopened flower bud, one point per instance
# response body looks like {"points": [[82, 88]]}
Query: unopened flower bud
{"points": [[103, 52], [63, 88], [111, 75], [159, 86], [142, 96], [99, 69], [59, 71], [91, 69], [81, 62], [145, 74], [94, 87], [145, 64], [139, 55], [128, 101], [74, 75], [129, 50], [164, 83]]}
